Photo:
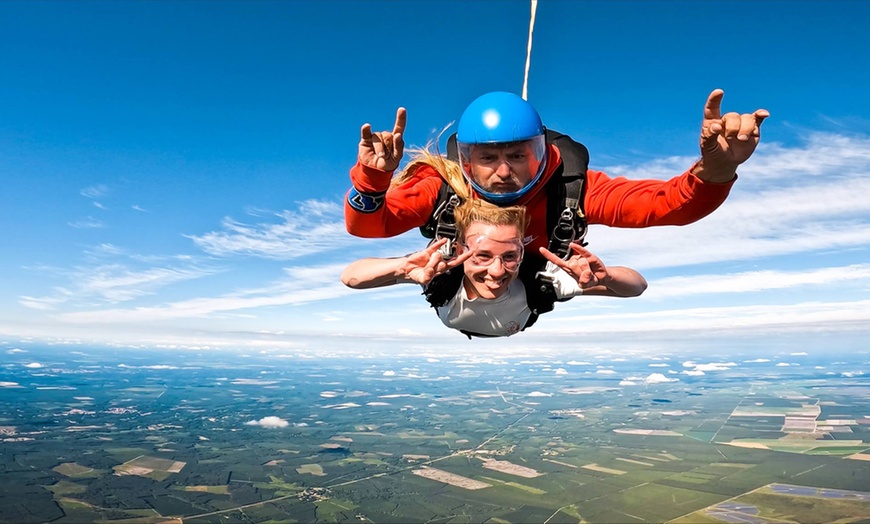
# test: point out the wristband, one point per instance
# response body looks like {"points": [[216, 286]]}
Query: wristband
{"points": [[365, 202]]}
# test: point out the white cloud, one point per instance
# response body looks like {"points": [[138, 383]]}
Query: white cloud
{"points": [[539, 394], [96, 191], [316, 227], [700, 369], [715, 366], [87, 223], [41, 303], [658, 378], [754, 281], [831, 316], [117, 283], [821, 155], [114, 283], [269, 422], [33, 365], [301, 285]]}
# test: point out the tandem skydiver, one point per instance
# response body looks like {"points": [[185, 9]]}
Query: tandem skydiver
{"points": [[482, 290]]}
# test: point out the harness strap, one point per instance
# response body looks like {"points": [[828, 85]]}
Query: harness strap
{"points": [[445, 192], [568, 221], [441, 289], [540, 294]]}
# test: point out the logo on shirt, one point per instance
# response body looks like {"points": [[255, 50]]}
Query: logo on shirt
{"points": [[528, 240]]}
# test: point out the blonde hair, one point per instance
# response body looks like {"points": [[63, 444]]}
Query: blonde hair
{"points": [[471, 211], [449, 170]]}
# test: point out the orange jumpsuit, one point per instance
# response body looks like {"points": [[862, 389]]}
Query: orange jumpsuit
{"points": [[615, 202]]}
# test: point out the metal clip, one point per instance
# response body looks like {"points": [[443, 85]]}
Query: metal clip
{"points": [[448, 250]]}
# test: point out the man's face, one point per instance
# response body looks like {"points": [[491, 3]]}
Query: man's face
{"points": [[498, 250], [502, 168]]}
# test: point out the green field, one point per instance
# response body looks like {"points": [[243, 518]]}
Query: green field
{"points": [[202, 447]]}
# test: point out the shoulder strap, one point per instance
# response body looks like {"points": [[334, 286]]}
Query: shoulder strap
{"points": [[566, 217], [443, 287], [444, 193], [540, 294]]}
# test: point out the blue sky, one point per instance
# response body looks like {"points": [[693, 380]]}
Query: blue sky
{"points": [[173, 172]]}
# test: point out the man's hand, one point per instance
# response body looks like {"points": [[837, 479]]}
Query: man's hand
{"points": [[383, 150], [422, 266], [584, 266], [726, 140]]}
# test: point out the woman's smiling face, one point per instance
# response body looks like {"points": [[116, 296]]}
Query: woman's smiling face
{"points": [[498, 251]]}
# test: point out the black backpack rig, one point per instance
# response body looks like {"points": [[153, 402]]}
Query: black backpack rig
{"points": [[566, 221]]}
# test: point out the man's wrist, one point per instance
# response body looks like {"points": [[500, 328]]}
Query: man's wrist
{"points": [[713, 174]]}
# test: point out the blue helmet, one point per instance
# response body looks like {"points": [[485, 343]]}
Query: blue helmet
{"points": [[500, 118]]}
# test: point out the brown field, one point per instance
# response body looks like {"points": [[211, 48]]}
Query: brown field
{"points": [[451, 478], [151, 467], [219, 490], [511, 469], [602, 469]]}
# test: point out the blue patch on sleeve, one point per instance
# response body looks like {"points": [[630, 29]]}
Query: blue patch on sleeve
{"points": [[365, 202]]}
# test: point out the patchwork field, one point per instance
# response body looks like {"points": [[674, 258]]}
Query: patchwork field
{"points": [[496, 442]]}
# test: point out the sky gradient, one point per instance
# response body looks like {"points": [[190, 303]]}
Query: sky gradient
{"points": [[173, 172]]}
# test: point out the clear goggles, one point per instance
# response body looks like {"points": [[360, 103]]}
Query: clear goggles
{"points": [[484, 249]]}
